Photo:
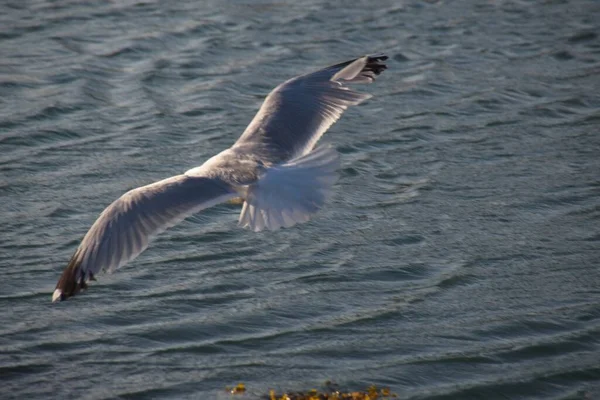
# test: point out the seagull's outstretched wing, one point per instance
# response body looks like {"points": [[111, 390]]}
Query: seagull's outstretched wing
{"points": [[124, 228], [289, 180], [298, 112]]}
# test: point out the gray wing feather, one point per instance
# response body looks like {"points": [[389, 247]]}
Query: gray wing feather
{"points": [[298, 112], [124, 228]]}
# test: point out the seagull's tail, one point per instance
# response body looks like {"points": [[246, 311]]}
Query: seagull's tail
{"points": [[290, 193], [71, 281]]}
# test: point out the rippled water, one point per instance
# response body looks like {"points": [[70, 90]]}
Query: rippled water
{"points": [[458, 259]]}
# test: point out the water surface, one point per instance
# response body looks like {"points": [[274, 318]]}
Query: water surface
{"points": [[459, 257]]}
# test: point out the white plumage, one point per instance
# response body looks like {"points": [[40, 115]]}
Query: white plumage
{"points": [[273, 166], [290, 193]]}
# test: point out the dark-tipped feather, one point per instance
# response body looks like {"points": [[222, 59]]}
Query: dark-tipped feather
{"points": [[71, 282], [375, 65]]}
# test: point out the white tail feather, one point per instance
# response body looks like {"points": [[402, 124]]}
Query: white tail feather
{"points": [[290, 193]]}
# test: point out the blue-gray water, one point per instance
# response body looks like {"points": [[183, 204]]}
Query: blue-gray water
{"points": [[459, 257]]}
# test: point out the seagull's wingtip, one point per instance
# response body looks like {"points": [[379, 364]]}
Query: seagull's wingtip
{"points": [[57, 295]]}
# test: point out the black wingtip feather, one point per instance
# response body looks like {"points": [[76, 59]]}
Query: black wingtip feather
{"points": [[72, 281], [375, 63]]}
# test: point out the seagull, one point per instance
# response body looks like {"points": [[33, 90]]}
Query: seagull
{"points": [[274, 167]]}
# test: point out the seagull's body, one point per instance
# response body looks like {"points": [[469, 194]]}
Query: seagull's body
{"points": [[273, 167]]}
